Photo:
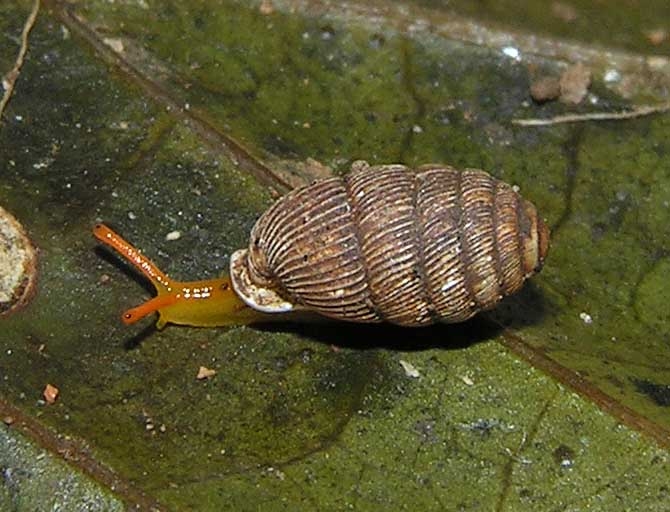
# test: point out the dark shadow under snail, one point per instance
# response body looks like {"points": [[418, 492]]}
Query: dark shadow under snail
{"points": [[383, 244]]}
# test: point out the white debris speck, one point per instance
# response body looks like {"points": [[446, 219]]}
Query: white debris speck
{"points": [[114, 43], [43, 164], [132, 216], [417, 129], [586, 318], [612, 75], [467, 380], [173, 235], [566, 463], [516, 188], [410, 370], [512, 53], [277, 472]]}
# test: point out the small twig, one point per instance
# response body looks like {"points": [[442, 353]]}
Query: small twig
{"points": [[9, 80], [643, 110]]}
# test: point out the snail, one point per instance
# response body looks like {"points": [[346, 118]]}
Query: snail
{"points": [[384, 243]]}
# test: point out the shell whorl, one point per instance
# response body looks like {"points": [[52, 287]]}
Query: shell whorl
{"points": [[386, 243]]}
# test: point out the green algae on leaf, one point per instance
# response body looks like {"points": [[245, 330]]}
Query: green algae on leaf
{"points": [[652, 298]]}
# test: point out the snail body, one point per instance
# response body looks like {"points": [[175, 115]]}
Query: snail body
{"points": [[382, 244]]}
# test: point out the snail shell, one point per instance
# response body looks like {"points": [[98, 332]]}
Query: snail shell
{"points": [[386, 243]]}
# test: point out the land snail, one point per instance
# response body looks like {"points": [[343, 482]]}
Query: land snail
{"points": [[385, 243]]}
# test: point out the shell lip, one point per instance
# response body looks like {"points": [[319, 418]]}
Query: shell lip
{"points": [[253, 295]]}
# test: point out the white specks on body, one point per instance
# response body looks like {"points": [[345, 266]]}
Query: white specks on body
{"points": [[449, 285]]}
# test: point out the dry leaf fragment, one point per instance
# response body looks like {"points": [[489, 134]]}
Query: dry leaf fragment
{"points": [[205, 373], [575, 82], [657, 36], [571, 87], [50, 393], [546, 88]]}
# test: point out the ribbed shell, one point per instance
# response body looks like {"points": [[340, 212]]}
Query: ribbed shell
{"points": [[387, 243]]}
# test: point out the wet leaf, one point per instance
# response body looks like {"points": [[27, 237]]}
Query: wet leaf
{"points": [[174, 117]]}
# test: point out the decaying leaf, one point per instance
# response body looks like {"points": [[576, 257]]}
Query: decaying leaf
{"points": [[205, 373], [50, 393], [545, 88], [574, 83], [657, 36]]}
